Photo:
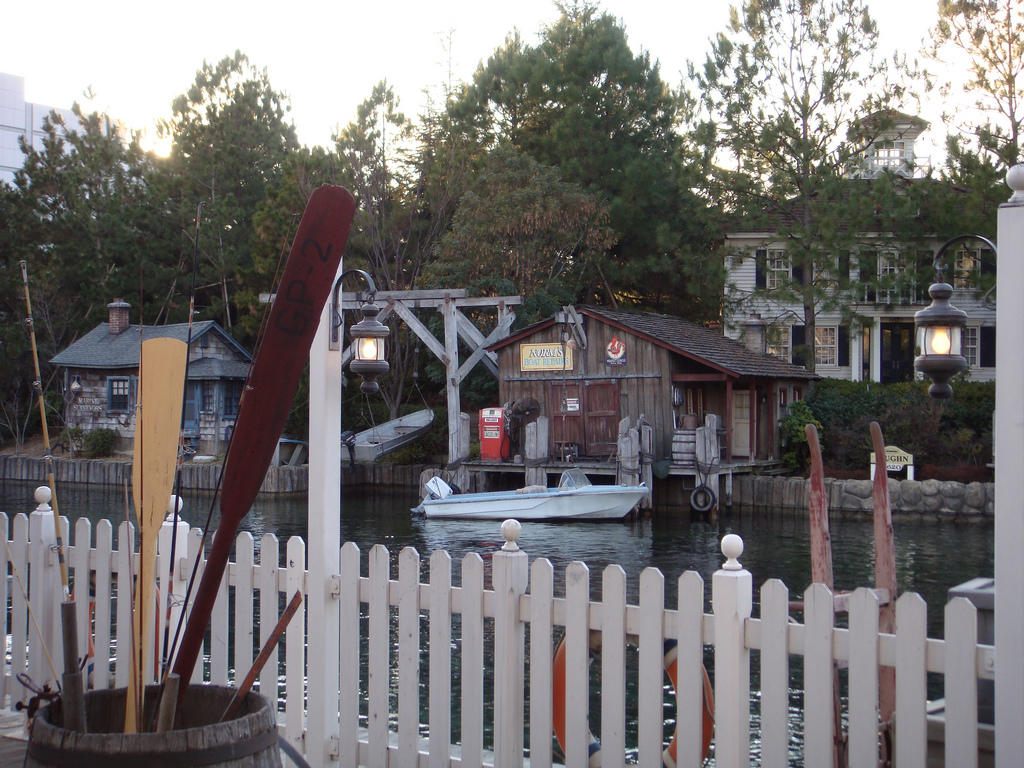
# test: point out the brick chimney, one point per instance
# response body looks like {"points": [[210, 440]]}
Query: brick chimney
{"points": [[754, 334], [118, 316]]}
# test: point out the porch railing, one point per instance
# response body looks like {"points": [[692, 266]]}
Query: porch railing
{"points": [[435, 674]]}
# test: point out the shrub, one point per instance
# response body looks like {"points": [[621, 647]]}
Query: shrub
{"points": [[953, 433], [794, 435], [99, 442]]}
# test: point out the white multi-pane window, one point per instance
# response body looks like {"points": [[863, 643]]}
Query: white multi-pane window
{"points": [[777, 274], [826, 345], [825, 274], [888, 269], [891, 155], [968, 263], [779, 342], [896, 283], [969, 346]]}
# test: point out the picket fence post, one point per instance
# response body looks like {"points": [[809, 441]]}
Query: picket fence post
{"points": [[509, 579], [43, 588], [732, 600]]}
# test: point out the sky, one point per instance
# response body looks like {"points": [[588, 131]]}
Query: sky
{"points": [[326, 55]]}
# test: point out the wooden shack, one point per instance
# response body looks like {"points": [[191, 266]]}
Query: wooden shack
{"points": [[588, 367]]}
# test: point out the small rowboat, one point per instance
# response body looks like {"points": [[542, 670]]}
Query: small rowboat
{"points": [[373, 443]]}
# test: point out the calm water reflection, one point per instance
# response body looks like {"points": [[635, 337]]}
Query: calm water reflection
{"points": [[931, 556]]}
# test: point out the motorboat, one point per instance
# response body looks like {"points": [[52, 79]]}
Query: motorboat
{"points": [[575, 498]]}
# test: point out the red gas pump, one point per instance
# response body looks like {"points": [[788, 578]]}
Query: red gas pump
{"points": [[494, 440]]}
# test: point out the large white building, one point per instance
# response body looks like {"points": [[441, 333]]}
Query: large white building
{"points": [[880, 345], [20, 118]]}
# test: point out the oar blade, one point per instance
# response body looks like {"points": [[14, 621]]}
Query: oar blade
{"points": [[157, 428]]}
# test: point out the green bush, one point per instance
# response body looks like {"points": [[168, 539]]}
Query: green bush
{"points": [[99, 442], [794, 435], [953, 433]]}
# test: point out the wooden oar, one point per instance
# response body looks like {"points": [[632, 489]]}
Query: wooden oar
{"points": [[305, 286], [157, 423]]}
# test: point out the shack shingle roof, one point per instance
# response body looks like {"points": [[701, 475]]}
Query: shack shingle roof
{"points": [[699, 342], [101, 349]]}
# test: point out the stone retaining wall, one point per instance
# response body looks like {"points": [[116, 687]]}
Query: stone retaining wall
{"points": [[202, 477], [930, 497]]}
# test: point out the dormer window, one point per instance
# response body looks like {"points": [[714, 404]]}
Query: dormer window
{"points": [[894, 156]]}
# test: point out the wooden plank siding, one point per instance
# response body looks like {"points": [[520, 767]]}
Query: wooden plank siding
{"points": [[644, 385], [662, 354]]}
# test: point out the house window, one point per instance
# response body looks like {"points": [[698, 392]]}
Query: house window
{"points": [[891, 155], [798, 394], [232, 394], [896, 283], [831, 271], [971, 264], [888, 268], [782, 397], [969, 346], [778, 271], [779, 342], [826, 345], [118, 394], [209, 404], [966, 264], [695, 401]]}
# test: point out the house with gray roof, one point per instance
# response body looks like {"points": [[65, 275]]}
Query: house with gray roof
{"points": [[590, 368], [101, 372]]}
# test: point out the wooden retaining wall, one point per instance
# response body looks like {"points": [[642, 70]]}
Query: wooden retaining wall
{"points": [[750, 492], [202, 477]]}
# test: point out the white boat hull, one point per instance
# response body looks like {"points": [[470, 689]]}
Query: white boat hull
{"points": [[594, 502]]}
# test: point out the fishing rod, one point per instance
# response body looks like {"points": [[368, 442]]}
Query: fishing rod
{"points": [[165, 661], [72, 681], [37, 385]]}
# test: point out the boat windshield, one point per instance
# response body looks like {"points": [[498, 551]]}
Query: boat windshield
{"points": [[572, 479]]}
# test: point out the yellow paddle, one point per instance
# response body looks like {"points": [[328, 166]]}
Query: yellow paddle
{"points": [[157, 426]]}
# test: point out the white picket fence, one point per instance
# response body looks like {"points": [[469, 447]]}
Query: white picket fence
{"points": [[421, 649]]}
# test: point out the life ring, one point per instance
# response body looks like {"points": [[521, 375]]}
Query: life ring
{"points": [[670, 662], [702, 498]]}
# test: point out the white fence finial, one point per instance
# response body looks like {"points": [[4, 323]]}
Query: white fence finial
{"points": [[732, 548], [43, 496], [1015, 181], [511, 529]]}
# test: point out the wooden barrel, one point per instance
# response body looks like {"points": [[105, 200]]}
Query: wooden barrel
{"points": [[684, 446], [247, 741]]}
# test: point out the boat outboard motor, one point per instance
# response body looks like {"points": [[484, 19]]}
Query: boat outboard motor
{"points": [[348, 439], [437, 488]]}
